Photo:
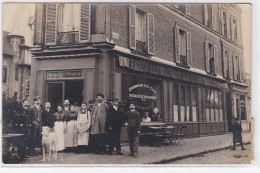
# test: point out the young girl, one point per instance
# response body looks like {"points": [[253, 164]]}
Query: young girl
{"points": [[83, 124]]}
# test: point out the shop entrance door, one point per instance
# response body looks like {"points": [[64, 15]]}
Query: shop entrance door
{"points": [[55, 93], [69, 89]]}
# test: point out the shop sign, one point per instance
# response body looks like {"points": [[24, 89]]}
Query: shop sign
{"points": [[64, 74], [144, 94]]}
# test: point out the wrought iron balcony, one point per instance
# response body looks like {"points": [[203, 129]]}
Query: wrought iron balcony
{"points": [[71, 37], [141, 47]]}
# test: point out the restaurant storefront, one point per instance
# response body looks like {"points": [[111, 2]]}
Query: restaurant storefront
{"points": [[182, 97]]}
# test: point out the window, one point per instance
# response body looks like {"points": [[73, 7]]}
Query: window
{"points": [[183, 47], [235, 30], [141, 31], [226, 65], [194, 103], [209, 15], [15, 96], [183, 52], [176, 102], [225, 24], [211, 58], [182, 103], [188, 104], [237, 68], [184, 8], [16, 74], [4, 75]]}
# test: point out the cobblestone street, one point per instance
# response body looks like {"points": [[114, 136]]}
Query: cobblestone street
{"points": [[156, 155]]}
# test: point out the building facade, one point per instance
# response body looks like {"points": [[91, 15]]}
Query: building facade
{"points": [[185, 58], [16, 67]]}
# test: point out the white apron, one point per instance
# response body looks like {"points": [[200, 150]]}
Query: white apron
{"points": [[83, 124]]}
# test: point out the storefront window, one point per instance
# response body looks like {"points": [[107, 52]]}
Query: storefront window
{"points": [[216, 105], [188, 103], [221, 115], [243, 107], [176, 102], [194, 103], [145, 92], [182, 103]]}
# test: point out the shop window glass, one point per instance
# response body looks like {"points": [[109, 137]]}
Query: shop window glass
{"points": [[221, 113], [176, 102], [194, 103], [182, 103], [188, 103], [207, 101]]}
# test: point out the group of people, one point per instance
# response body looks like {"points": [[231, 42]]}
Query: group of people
{"points": [[89, 128]]}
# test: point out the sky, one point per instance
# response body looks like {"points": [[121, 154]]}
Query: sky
{"points": [[11, 23]]}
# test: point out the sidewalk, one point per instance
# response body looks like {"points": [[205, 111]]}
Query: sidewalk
{"points": [[148, 155]]}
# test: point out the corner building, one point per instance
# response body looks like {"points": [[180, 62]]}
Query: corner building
{"points": [[185, 58]]}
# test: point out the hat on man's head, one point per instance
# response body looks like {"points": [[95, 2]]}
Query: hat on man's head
{"points": [[91, 102], [114, 100], [100, 95], [132, 102], [36, 98]]}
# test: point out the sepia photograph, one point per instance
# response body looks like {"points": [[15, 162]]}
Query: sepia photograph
{"points": [[126, 83]]}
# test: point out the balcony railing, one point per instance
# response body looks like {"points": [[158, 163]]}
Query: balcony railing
{"points": [[141, 47], [71, 37]]}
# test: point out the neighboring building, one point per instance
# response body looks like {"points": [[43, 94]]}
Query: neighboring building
{"points": [[186, 58], [16, 67]]}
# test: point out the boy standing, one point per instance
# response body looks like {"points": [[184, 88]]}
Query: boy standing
{"points": [[133, 129]]}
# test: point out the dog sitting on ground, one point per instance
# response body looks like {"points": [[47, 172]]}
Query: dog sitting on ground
{"points": [[49, 143]]}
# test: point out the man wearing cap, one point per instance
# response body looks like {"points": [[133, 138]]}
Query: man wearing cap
{"points": [[36, 123], [133, 129], [114, 123], [98, 124]]}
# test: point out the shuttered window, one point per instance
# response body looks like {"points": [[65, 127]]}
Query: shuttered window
{"points": [[228, 25], [214, 20], [141, 30], [235, 67], [187, 8], [211, 58], [225, 63], [150, 28], [38, 24], [132, 17], [215, 59], [230, 64], [85, 22], [205, 14], [189, 51], [51, 29], [177, 47], [207, 55]]}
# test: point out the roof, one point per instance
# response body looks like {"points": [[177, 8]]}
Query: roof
{"points": [[7, 48]]}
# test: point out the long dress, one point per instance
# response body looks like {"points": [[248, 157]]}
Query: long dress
{"points": [[59, 129], [83, 124], [72, 134]]}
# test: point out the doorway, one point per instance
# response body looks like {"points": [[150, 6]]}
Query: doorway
{"points": [[69, 89]]}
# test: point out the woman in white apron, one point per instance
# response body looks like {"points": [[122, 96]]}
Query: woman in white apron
{"points": [[83, 124], [72, 133], [59, 127]]}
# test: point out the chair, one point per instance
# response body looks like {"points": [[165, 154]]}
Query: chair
{"points": [[181, 134]]}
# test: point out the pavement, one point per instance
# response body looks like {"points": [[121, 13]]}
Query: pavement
{"points": [[149, 155]]}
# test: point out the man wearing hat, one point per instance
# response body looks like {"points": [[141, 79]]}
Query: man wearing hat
{"points": [[98, 124], [237, 137], [36, 123], [114, 123], [133, 129]]}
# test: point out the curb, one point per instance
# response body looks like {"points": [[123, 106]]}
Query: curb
{"points": [[192, 155]]}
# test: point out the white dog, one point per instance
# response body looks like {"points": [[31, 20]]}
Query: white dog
{"points": [[49, 143]]}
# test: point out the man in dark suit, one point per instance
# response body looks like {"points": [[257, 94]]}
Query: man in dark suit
{"points": [[47, 119], [237, 137], [114, 123], [36, 123], [133, 129]]}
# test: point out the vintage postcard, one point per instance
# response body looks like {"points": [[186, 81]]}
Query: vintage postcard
{"points": [[126, 84]]}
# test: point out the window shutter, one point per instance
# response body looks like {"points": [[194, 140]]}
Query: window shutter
{"points": [[207, 55], [51, 29], [228, 25], [215, 59], [205, 14], [231, 28], [235, 67], [150, 33], [213, 16], [132, 16], [242, 69], [189, 51], [177, 46], [38, 24], [224, 63], [230, 58], [85, 22], [187, 8], [221, 21], [238, 31]]}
